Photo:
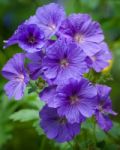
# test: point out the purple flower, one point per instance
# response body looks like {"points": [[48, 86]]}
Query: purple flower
{"points": [[49, 18], [74, 99], [104, 107], [100, 59], [85, 32], [15, 72], [56, 127], [29, 37], [64, 60], [35, 66]]}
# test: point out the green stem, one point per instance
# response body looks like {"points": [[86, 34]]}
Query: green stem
{"points": [[94, 130], [71, 145], [43, 144], [94, 133], [76, 145]]}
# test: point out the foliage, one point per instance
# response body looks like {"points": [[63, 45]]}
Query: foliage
{"points": [[25, 115]]}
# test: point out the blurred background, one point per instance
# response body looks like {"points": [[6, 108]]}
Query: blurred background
{"points": [[17, 133]]}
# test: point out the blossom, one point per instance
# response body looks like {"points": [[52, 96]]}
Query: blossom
{"points": [[35, 66], [64, 60], [104, 107], [29, 37], [85, 32], [75, 99], [49, 18], [15, 72], [56, 127], [59, 51], [100, 59]]}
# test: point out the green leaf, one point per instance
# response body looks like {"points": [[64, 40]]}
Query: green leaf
{"points": [[25, 115], [115, 131], [32, 87], [100, 134], [6, 127], [100, 78]]}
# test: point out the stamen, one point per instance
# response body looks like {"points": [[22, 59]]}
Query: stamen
{"points": [[64, 63], [93, 58], [79, 38], [20, 78], [62, 120], [52, 27], [31, 40], [73, 99]]}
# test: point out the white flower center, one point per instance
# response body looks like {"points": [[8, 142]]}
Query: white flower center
{"points": [[100, 108], [64, 63], [79, 38], [93, 58], [52, 27], [73, 99], [20, 78]]}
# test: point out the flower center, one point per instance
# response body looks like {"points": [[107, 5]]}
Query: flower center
{"points": [[52, 27], [100, 108], [62, 120], [79, 38], [64, 63], [73, 99], [20, 78], [31, 40], [93, 58]]}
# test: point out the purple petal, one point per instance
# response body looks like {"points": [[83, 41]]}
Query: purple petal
{"points": [[90, 48], [85, 89], [103, 91], [48, 95], [87, 107], [15, 89], [14, 66], [104, 122], [72, 113], [50, 17]]}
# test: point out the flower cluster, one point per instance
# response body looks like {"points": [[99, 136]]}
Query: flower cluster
{"points": [[61, 49]]}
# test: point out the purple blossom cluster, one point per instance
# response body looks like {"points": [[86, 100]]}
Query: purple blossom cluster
{"points": [[61, 49]]}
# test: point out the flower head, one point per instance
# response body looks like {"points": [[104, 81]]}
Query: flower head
{"points": [[15, 72], [49, 18], [74, 99], [104, 107], [100, 59], [57, 127], [64, 60], [85, 32], [29, 37]]}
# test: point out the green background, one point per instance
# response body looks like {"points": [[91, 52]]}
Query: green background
{"points": [[26, 134]]}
